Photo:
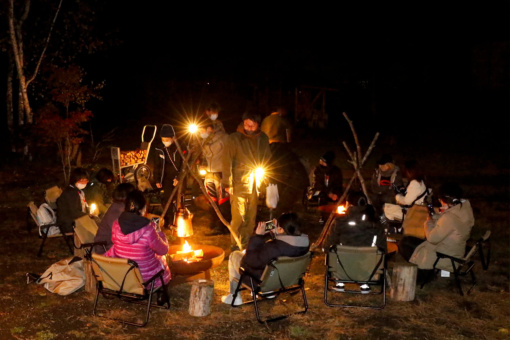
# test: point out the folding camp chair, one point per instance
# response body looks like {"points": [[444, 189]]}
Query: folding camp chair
{"points": [[461, 267], [349, 265], [85, 229], [121, 278], [281, 275], [51, 195], [45, 228]]}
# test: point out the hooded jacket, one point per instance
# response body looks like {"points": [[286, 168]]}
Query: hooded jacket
{"points": [[260, 250], [447, 235], [135, 237], [244, 153]]}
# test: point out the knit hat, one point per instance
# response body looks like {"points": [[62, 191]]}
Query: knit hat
{"points": [[167, 131], [385, 159], [328, 157]]}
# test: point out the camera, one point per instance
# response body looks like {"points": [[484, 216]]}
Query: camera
{"points": [[269, 225]]}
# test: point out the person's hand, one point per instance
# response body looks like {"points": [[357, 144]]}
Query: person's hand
{"points": [[158, 185], [261, 228], [334, 197], [175, 182]]}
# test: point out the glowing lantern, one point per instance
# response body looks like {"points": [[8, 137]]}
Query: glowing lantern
{"points": [[93, 209], [192, 128]]}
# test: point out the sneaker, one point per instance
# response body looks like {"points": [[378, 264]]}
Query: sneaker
{"points": [[339, 287], [227, 299], [365, 289]]}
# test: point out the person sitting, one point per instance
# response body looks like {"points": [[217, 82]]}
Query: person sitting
{"points": [[446, 233], [415, 193], [285, 239], [327, 180], [385, 178], [98, 190], [136, 238], [72, 204], [104, 231]]}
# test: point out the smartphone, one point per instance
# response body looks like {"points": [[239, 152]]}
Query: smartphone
{"points": [[269, 225]]}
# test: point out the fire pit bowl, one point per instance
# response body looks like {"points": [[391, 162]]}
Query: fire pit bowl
{"points": [[213, 256]]}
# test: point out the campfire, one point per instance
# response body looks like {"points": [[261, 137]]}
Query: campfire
{"points": [[187, 254], [342, 209]]}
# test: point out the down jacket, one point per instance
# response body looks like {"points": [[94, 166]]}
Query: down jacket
{"points": [[135, 237], [447, 235]]}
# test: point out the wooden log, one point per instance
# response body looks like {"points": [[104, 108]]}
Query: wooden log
{"points": [[200, 299], [403, 281]]}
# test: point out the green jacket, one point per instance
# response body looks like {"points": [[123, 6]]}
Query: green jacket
{"points": [[244, 153]]}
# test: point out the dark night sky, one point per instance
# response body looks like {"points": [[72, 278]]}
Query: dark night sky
{"points": [[419, 53]]}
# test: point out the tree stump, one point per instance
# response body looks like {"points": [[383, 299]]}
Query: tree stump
{"points": [[403, 281], [200, 299]]}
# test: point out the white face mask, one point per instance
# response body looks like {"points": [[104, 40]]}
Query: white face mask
{"points": [[214, 116], [167, 144], [204, 135], [81, 186]]}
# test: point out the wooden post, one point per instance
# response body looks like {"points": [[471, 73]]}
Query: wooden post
{"points": [[200, 299], [403, 281], [90, 280]]}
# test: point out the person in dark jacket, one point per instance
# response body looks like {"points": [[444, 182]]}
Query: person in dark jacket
{"points": [[327, 179], [286, 240], [72, 203], [104, 231], [98, 190]]}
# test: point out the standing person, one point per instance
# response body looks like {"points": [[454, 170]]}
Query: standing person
{"points": [[248, 149], [215, 143], [72, 203], [212, 112], [286, 240], [104, 231], [327, 179], [277, 127], [98, 190], [166, 163], [386, 177], [136, 238]]}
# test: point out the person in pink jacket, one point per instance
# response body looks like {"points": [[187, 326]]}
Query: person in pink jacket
{"points": [[137, 238]]}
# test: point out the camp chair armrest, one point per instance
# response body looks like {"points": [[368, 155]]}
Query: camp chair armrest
{"points": [[157, 275], [445, 256], [248, 272], [92, 244]]}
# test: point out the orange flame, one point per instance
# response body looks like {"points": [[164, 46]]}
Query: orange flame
{"points": [[342, 210]]}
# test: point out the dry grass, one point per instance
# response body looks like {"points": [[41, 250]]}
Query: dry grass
{"points": [[438, 311]]}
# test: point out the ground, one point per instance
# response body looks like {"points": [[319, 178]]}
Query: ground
{"points": [[29, 311]]}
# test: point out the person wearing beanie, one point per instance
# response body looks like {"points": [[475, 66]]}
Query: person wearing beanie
{"points": [[386, 177], [166, 163], [247, 149], [327, 180]]}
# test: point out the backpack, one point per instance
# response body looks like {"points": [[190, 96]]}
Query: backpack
{"points": [[63, 277], [45, 215]]}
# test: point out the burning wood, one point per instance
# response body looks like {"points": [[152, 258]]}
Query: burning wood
{"points": [[132, 157], [187, 254], [342, 209]]}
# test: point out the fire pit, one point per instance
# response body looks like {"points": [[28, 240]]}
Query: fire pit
{"points": [[190, 270]]}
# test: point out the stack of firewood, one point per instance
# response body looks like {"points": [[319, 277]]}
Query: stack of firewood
{"points": [[132, 157]]}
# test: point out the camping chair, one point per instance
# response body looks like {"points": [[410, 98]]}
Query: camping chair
{"points": [[121, 278], [85, 229], [355, 265], [281, 275], [461, 267], [51, 195], [45, 228]]}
